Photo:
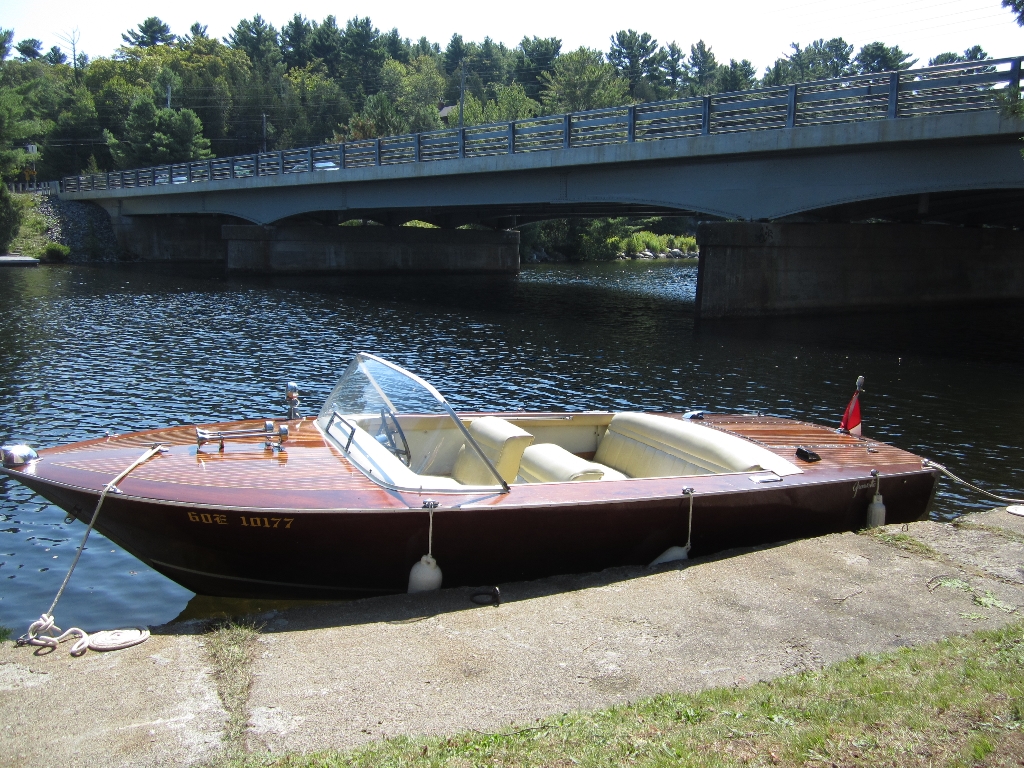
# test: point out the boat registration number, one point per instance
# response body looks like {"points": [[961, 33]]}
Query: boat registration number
{"points": [[247, 522]]}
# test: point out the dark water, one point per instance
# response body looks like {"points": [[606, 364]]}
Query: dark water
{"points": [[86, 350]]}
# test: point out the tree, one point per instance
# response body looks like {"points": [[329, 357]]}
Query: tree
{"points": [[673, 69], [296, 39], [151, 32], [75, 136], [454, 54], [196, 33], [396, 48], [821, 60], [325, 43], [702, 69], [30, 49], [639, 60], [6, 41], [582, 80], [362, 55], [878, 57], [533, 57], [511, 103], [155, 136], [259, 40], [974, 53], [10, 219], [736, 76], [1017, 6], [14, 129], [55, 56]]}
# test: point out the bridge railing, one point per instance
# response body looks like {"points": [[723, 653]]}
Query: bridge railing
{"points": [[958, 87]]}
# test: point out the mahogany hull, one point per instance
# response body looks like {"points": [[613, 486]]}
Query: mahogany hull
{"points": [[307, 535]]}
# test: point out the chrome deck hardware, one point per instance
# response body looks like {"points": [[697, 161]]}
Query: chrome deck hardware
{"points": [[268, 434], [292, 396]]}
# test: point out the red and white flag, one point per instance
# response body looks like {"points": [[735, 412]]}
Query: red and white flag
{"points": [[851, 416]]}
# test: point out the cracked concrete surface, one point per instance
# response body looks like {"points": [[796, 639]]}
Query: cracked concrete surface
{"points": [[339, 675]]}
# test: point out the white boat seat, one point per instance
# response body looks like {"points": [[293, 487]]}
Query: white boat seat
{"points": [[550, 463], [502, 442], [645, 445]]}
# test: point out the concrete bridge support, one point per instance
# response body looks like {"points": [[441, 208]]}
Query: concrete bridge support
{"points": [[296, 249], [244, 247], [753, 269], [172, 238]]}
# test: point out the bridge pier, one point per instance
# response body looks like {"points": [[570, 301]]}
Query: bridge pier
{"points": [[755, 269], [297, 249], [192, 238]]}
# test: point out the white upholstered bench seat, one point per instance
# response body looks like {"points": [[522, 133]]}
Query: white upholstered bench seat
{"points": [[550, 463], [645, 445]]}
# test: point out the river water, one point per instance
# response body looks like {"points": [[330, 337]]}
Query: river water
{"points": [[91, 349]]}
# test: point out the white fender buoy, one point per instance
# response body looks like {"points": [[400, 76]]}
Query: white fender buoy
{"points": [[876, 512], [876, 509], [425, 576], [671, 555]]}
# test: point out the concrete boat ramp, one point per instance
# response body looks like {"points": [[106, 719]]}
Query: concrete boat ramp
{"points": [[339, 675]]}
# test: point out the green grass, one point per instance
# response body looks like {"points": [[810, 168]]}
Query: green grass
{"points": [[959, 702], [31, 239], [6, 633], [231, 647]]}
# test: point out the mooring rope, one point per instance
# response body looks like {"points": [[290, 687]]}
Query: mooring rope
{"points": [[997, 497], [689, 528], [40, 632]]}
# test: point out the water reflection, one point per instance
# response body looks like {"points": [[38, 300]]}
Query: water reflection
{"points": [[132, 347]]}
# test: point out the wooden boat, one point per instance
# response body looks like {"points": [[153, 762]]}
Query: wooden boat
{"points": [[343, 504]]}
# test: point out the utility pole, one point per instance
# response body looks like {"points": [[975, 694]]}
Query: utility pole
{"points": [[168, 95], [462, 90], [264, 132]]}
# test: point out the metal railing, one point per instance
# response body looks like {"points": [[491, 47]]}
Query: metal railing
{"points": [[960, 87]]}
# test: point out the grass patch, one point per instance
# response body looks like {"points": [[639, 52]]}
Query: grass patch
{"points": [[31, 238], [6, 633], [906, 543], [231, 647], [959, 702]]}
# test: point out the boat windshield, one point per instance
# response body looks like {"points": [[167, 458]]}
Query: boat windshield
{"points": [[401, 432]]}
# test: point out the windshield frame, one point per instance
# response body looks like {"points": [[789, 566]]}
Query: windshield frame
{"points": [[357, 363]]}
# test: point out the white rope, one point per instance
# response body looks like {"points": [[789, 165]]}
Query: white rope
{"points": [[430, 535], [41, 632], [930, 463]]}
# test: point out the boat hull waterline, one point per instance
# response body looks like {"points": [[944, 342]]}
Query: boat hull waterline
{"points": [[304, 523]]}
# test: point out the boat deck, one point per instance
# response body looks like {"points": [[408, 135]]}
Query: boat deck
{"points": [[312, 474]]}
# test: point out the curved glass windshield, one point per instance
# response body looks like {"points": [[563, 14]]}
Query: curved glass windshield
{"points": [[400, 432]]}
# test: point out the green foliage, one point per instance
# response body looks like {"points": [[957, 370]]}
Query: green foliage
{"points": [[56, 252], [6, 41], [1017, 6], [10, 219], [639, 60], [582, 80], [155, 136], [30, 48], [149, 33], [878, 57], [603, 239], [974, 53], [6, 633], [31, 237]]}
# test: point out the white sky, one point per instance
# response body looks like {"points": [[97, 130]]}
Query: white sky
{"points": [[759, 31]]}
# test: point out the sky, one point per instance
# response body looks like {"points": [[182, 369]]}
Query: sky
{"points": [[759, 31]]}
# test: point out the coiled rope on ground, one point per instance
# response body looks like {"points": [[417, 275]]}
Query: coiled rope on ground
{"points": [[41, 631]]}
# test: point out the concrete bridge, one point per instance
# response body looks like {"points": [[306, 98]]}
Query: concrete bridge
{"points": [[929, 152]]}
